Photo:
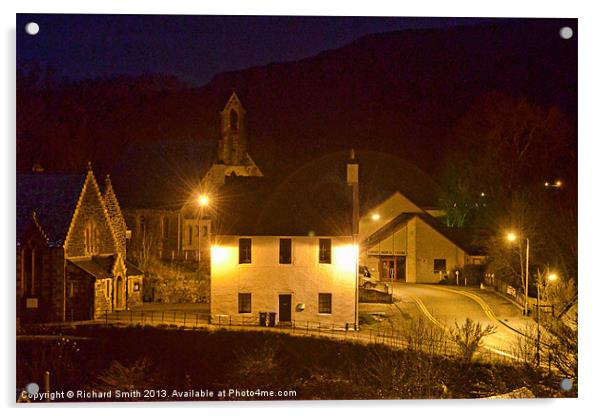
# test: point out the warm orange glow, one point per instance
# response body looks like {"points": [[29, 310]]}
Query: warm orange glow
{"points": [[221, 255], [511, 236], [552, 277], [375, 217], [559, 183], [345, 258], [203, 200]]}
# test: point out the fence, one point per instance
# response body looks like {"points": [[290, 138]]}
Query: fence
{"points": [[413, 339]]}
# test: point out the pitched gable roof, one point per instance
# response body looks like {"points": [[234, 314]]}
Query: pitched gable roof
{"points": [[53, 197], [468, 240]]}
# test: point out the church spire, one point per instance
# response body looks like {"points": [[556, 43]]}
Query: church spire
{"points": [[233, 141]]}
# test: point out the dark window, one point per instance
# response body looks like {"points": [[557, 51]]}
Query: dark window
{"points": [[325, 250], [244, 250], [165, 227], [244, 303], [205, 230], [325, 302], [440, 266], [190, 235], [233, 120], [286, 245]]}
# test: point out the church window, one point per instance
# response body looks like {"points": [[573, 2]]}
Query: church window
{"points": [[233, 120], [165, 227], [91, 239]]}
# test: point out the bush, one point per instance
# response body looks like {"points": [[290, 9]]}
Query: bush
{"points": [[469, 337]]}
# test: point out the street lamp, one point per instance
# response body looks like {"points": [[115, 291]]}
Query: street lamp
{"points": [[551, 277], [511, 236], [203, 201]]}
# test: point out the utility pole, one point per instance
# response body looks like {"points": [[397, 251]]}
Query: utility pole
{"points": [[353, 181]]}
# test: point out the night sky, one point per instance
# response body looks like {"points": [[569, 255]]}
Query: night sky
{"points": [[194, 48]]}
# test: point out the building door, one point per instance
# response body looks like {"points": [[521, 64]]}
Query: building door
{"points": [[387, 268], [400, 268], [285, 308], [119, 298]]}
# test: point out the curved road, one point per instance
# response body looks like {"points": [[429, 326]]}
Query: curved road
{"points": [[444, 306]]}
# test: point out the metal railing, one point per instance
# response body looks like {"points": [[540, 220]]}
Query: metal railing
{"points": [[345, 332]]}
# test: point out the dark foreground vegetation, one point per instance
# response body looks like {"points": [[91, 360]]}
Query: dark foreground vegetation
{"points": [[112, 358]]}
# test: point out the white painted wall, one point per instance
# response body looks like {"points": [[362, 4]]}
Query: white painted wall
{"points": [[431, 245], [421, 244], [265, 278]]}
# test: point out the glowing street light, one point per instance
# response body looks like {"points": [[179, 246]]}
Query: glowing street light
{"points": [[552, 277], [203, 201], [375, 217], [557, 184], [512, 237]]}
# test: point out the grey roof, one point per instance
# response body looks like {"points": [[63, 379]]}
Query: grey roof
{"points": [[468, 239], [53, 197], [316, 199], [99, 267]]}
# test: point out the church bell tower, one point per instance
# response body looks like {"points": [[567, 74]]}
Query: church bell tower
{"points": [[233, 141]]}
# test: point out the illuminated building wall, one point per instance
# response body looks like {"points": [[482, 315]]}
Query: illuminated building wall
{"points": [[266, 279]]}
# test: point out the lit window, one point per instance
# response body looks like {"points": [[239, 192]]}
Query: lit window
{"points": [[244, 303], [244, 250], [286, 245], [136, 287], [325, 250], [325, 303]]}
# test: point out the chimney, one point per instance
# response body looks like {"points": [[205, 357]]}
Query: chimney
{"points": [[353, 181]]}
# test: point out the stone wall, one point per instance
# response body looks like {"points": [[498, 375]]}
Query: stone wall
{"points": [[176, 282], [90, 210]]}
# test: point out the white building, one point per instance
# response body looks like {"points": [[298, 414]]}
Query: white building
{"points": [[304, 280], [270, 256]]}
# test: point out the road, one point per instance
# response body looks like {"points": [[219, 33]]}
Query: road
{"points": [[444, 306]]}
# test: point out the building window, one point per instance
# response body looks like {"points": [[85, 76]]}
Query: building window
{"points": [[325, 250], [286, 245], [190, 235], [244, 303], [244, 250], [233, 120], [205, 231], [325, 302], [165, 227], [108, 288], [91, 239], [440, 265], [136, 287]]}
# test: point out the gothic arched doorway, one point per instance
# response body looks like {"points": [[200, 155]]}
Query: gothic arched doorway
{"points": [[119, 293]]}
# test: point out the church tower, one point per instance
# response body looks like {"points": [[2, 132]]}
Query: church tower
{"points": [[233, 141]]}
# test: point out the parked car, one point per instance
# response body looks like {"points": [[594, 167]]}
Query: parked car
{"points": [[367, 281]]}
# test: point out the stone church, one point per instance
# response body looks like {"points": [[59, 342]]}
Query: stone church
{"points": [[71, 249], [162, 181]]}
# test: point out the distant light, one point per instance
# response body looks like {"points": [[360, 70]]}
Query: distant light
{"points": [[566, 32], [203, 200], [511, 236], [32, 28], [482, 193], [375, 217], [559, 183], [546, 184], [552, 277]]}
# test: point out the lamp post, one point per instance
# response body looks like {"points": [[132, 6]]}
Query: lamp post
{"points": [[513, 237], [203, 201], [551, 277]]}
